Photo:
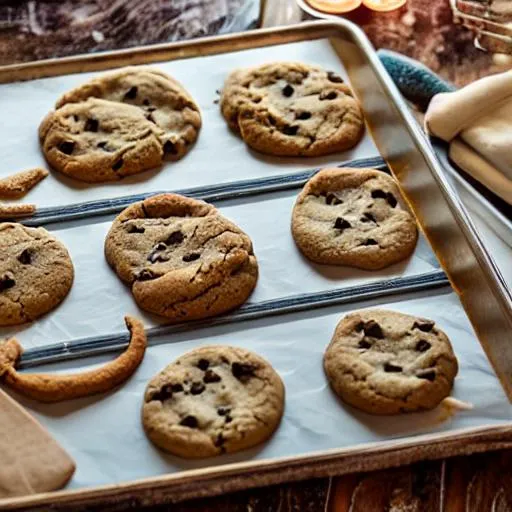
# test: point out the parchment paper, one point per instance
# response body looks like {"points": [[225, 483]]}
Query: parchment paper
{"points": [[218, 156], [105, 436], [98, 299]]}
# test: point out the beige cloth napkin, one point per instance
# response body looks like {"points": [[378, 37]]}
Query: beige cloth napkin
{"points": [[477, 122]]}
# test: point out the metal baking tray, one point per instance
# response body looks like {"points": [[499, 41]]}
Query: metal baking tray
{"points": [[442, 218]]}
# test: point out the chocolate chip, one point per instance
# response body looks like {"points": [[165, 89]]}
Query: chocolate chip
{"points": [[102, 145], [177, 388], [197, 388], [373, 329], [364, 344], [189, 421], [422, 346], [426, 326], [332, 199], [210, 376], [25, 257], [160, 246], [6, 282], [228, 419], [290, 130], [133, 228], [391, 199], [342, 224], [368, 217], [164, 394], [170, 148], [219, 441], [379, 194], [333, 77], [242, 371], [256, 100], [146, 103], [145, 275], [329, 96], [359, 326], [191, 257], [427, 374], [157, 256], [303, 116], [149, 117], [131, 94], [176, 237], [223, 411], [203, 364], [76, 118], [288, 90], [370, 241], [91, 125], [272, 121], [392, 368], [66, 147], [151, 109], [117, 165]]}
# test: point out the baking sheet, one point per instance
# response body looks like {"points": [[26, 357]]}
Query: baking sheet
{"points": [[219, 155], [105, 436], [98, 300]]}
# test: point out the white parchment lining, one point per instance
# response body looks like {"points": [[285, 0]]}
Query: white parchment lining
{"points": [[104, 433]]}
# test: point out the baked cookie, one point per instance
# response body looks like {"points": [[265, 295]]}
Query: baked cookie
{"points": [[182, 259], [19, 184], [353, 217], [98, 140], [385, 362], [161, 98], [36, 273], [292, 109], [213, 400]]}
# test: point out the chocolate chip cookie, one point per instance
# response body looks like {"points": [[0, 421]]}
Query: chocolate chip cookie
{"points": [[292, 109], [385, 362], [36, 273], [99, 141], [213, 400], [182, 259], [353, 217], [163, 101]]}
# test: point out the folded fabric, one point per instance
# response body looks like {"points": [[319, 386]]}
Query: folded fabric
{"points": [[477, 122]]}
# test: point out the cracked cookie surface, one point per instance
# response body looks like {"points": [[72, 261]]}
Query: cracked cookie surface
{"points": [[182, 259], [213, 400], [119, 124], [161, 98], [36, 273], [385, 362], [292, 109], [353, 217]]}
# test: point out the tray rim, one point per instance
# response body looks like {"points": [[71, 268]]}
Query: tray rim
{"points": [[230, 477], [211, 481]]}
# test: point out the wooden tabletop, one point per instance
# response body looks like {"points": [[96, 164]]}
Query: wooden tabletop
{"points": [[423, 30]]}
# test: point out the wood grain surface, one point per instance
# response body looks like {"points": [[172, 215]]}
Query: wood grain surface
{"points": [[36, 29]]}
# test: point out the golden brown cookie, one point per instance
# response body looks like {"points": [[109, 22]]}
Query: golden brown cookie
{"points": [[182, 259], [213, 400], [161, 98], [353, 217], [292, 109], [36, 273], [385, 362], [99, 141]]}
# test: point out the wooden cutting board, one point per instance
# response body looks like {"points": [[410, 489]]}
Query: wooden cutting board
{"points": [[31, 461]]}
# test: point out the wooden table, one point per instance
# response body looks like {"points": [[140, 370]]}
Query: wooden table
{"points": [[422, 30]]}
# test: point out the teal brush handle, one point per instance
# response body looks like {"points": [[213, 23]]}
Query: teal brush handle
{"points": [[416, 82]]}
